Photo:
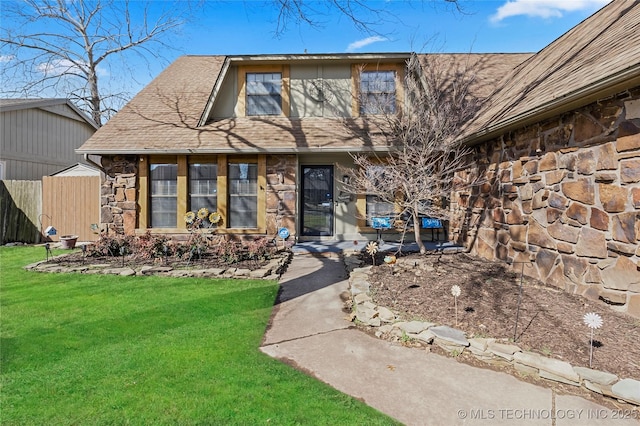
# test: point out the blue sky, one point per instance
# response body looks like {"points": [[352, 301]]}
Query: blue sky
{"points": [[247, 27]]}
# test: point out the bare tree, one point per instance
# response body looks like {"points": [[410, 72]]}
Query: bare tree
{"points": [[63, 46], [416, 178], [365, 15]]}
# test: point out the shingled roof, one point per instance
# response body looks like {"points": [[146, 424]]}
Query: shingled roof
{"points": [[165, 116], [597, 58]]}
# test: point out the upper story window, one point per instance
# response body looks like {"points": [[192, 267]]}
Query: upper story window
{"points": [[264, 93], [377, 92]]}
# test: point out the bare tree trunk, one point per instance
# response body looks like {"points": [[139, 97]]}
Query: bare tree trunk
{"points": [[416, 231]]}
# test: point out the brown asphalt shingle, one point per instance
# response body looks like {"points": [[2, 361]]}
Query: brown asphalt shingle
{"points": [[601, 47], [164, 116]]}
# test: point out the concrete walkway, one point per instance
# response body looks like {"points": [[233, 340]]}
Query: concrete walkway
{"points": [[309, 329]]}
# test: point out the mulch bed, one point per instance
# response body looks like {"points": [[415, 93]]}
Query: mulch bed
{"points": [[550, 321], [206, 261]]}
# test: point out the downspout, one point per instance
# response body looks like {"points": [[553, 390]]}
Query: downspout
{"points": [[90, 161]]}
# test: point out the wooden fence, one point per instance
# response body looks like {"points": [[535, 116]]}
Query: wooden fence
{"points": [[71, 204], [20, 208]]}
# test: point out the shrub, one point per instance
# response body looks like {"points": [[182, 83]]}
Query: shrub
{"points": [[259, 249], [111, 246], [149, 246]]}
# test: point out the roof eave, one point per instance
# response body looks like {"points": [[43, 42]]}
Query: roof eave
{"points": [[214, 93], [297, 150], [608, 86]]}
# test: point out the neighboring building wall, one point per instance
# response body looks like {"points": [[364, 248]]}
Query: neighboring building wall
{"points": [[40, 141], [565, 195]]}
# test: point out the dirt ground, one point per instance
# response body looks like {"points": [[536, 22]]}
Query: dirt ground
{"points": [[549, 321]]}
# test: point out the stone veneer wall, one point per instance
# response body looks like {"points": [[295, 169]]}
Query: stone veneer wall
{"points": [[281, 193], [118, 194], [563, 194]]}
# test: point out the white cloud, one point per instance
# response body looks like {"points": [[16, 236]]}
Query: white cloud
{"points": [[543, 8], [364, 42], [7, 58], [57, 67], [65, 66]]}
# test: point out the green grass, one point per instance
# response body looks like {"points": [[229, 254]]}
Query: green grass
{"points": [[92, 349]]}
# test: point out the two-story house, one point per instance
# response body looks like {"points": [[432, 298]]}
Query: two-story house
{"points": [[263, 140]]}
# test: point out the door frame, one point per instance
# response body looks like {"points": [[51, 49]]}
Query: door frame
{"points": [[301, 198]]}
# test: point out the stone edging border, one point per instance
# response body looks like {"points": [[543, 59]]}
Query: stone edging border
{"points": [[271, 271], [485, 349]]}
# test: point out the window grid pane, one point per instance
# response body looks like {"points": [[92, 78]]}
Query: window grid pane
{"points": [[243, 195], [377, 92], [264, 93], [164, 190], [203, 188], [378, 208]]}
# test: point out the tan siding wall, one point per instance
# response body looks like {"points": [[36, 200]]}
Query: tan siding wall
{"points": [[73, 204], [36, 142]]}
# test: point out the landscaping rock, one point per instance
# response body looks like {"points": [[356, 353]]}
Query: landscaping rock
{"points": [[179, 273], [413, 327], [360, 285], [550, 367], [556, 378], [241, 272], [385, 314], [125, 272], [149, 270], [361, 298], [595, 376], [601, 389], [426, 336], [628, 390], [450, 335], [259, 273], [503, 350]]}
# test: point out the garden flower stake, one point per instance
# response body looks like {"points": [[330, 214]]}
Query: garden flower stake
{"points": [[455, 291], [372, 249], [593, 321]]}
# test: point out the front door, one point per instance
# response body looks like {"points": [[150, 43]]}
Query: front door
{"points": [[317, 201]]}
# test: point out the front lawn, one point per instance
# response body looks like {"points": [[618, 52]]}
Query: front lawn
{"points": [[94, 349]]}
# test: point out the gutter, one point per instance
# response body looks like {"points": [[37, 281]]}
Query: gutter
{"points": [[311, 149], [90, 161], [607, 86]]}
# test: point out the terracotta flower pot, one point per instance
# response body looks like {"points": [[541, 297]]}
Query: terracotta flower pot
{"points": [[68, 241]]}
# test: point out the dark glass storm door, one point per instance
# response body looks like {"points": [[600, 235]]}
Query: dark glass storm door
{"points": [[317, 201]]}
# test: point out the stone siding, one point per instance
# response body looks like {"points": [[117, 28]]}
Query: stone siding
{"points": [[563, 195], [281, 193], [118, 194]]}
